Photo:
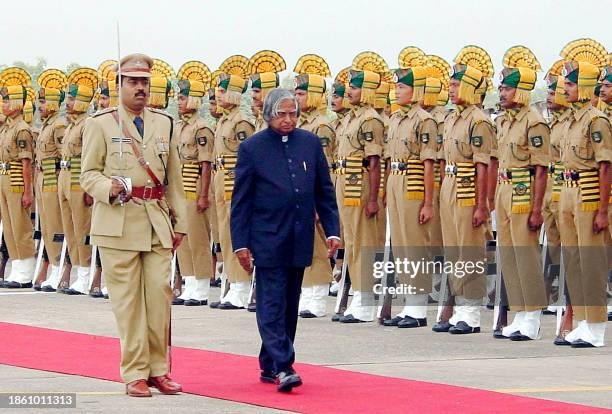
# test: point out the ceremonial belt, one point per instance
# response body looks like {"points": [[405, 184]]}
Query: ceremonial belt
{"points": [[555, 171], [437, 174], [227, 163], [465, 173], [414, 170], [65, 165], [588, 181], [48, 167], [520, 178], [15, 172], [148, 192], [75, 173], [352, 168], [158, 188], [190, 173]]}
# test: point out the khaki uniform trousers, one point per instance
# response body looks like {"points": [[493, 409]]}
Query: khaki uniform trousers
{"points": [[50, 219], [359, 232], [195, 254], [231, 264], [76, 220], [16, 222], [462, 242], [212, 212], [550, 211], [435, 226], [319, 272], [583, 258], [520, 255], [410, 239], [140, 295]]}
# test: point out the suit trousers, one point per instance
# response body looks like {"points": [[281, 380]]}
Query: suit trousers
{"points": [[277, 296], [140, 293]]}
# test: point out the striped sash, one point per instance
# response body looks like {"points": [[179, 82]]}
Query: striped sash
{"points": [[521, 190], [16, 177], [75, 174], [557, 177], [228, 163], [466, 184], [437, 174], [190, 173], [589, 190], [353, 179], [49, 172], [415, 180]]}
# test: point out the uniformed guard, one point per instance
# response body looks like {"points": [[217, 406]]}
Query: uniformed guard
{"points": [[16, 189], [75, 204], [523, 151], [51, 94], [195, 138], [310, 91], [233, 128], [264, 67], [605, 93], [161, 84], [586, 153], [133, 173], [412, 149], [467, 139], [559, 111], [360, 146], [108, 96]]}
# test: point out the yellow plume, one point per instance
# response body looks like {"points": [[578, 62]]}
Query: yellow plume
{"points": [[372, 62], [266, 61], [52, 78], [521, 57], [312, 65], [236, 65], [586, 50], [476, 57], [411, 57]]}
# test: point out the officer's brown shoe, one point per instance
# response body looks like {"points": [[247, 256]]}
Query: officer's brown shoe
{"points": [[165, 385], [137, 388]]}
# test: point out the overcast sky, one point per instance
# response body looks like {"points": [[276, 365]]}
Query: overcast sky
{"points": [[180, 30]]}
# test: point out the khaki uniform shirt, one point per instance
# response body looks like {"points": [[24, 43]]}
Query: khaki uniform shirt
{"points": [[523, 138], [233, 128], [361, 133], [129, 226], [17, 140], [195, 139], [468, 136], [557, 126], [72, 145], [49, 142], [412, 135], [586, 139]]}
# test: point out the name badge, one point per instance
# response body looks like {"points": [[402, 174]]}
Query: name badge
{"points": [[124, 140]]}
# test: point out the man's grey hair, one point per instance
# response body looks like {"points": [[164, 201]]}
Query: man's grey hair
{"points": [[273, 100]]}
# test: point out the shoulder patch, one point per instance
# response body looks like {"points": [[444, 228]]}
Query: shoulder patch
{"points": [[425, 138], [476, 141], [596, 136], [536, 141]]}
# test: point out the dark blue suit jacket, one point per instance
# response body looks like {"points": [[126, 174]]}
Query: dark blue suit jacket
{"points": [[278, 187]]}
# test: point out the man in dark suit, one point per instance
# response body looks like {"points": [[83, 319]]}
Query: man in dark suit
{"points": [[282, 183]]}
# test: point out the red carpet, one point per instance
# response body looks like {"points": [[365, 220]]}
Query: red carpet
{"points": [[235, 378]]}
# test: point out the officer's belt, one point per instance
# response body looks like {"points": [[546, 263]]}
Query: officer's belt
{"points": [[465, 173], [227, 163], [506, 174], [148, 193], [342, 163], [65, 164]]}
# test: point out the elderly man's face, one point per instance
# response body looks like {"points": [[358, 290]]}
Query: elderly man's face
{"points": [[286, 119]]}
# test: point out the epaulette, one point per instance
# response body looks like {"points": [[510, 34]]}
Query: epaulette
{"points": [[104, 111], [162, 112]]}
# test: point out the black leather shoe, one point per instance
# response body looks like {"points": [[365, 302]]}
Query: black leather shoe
{"points": [[561, 341], [609, 316], [393, 321], [333, 294], [441, 327], [462, 328], [215, 305], [267, 377], [1, 283], [497, 334], [252, 307], [579, 343], [97, 294], [288, 380], [336, 317], [47, 288], [17, 285], [72, 292], [215, 283], [410, 322], [228, 306], [37, 287], [350, 319], [307, 314], [178, 301], [106, 296], [517, 336], [548, 312], [194, 302]]}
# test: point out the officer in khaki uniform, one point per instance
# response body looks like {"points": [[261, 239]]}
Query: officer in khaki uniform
{"points": [[16, 191], [195, 138], [263, 68], [310, 91], [233, 128], [523, 152], [134, 176], [467, 139], [559, 110], [586, 153], [48, 151], [75, 204], [360, 141], [411, 147]]}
